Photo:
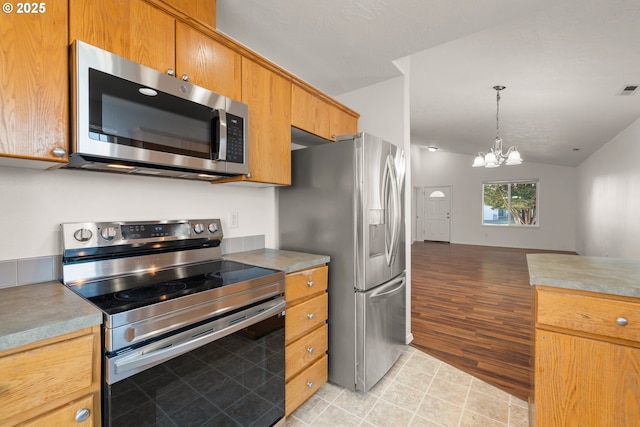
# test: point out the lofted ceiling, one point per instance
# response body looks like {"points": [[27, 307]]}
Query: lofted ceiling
{"points": [[564, 64]]}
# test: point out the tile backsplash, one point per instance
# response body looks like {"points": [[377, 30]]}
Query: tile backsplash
{"points": [[26, 271]]}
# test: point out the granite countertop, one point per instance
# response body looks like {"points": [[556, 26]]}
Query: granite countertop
{"points": [[585, 273], [31, 313], [276, 259]]}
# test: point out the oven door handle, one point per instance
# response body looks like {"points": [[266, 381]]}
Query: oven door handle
{"points": [[128, 364]]}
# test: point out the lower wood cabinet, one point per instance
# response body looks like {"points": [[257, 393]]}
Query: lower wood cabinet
{"points": [[54, 382], [306, 335], [587, 359]]}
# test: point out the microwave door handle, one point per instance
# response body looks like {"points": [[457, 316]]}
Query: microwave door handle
{"points": [[220, 135]]}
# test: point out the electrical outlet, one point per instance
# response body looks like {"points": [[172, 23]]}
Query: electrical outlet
{"points": [[233, 219]]}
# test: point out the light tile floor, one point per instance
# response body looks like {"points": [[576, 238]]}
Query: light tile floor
{"points": [[419, 390]]}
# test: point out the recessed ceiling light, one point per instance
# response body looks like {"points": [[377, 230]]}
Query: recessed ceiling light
{"points": [[432, 148], [575, 149]]}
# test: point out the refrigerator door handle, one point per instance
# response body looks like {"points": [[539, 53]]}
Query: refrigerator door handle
{"points": [[389, 187], [379, 294], [391, 190]]}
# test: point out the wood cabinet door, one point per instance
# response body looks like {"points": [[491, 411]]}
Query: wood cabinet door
{"points": [[34, 83], [269, 99], [208, 63], [129, 28], [585, 382], [309, 112], [341, 123]]}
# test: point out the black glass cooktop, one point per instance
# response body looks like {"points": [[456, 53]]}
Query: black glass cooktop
{"points": [[126, 293]]}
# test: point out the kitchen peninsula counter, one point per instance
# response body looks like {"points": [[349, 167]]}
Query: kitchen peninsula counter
{"points": [[31, 313], [587, 340], [287, 261], [585, 273]]}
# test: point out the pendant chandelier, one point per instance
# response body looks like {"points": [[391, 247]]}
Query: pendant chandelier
{"points": [[495, 157]]}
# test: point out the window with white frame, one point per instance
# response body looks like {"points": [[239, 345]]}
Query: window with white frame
{"points": [[510, 203]]}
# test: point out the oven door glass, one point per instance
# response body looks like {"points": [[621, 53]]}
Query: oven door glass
{"points": [[237, 380], [122, 112]]}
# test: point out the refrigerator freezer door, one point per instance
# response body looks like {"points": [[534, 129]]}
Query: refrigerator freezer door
{"points": [[380, 331]]}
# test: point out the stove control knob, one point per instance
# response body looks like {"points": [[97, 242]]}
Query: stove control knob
{"points": [[213, 227], [82, 234], [198, 228], [108, 233]]}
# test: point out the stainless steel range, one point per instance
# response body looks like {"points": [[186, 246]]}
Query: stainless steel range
{"points": [[188, 337]]}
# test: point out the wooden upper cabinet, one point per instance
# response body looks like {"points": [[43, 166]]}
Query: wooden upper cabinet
{"points": [[269, 99], [208, 63], [341, 123], [269, 141], [202, 10], [34, 84], [309, 113], [129, 28], [316, 116]]}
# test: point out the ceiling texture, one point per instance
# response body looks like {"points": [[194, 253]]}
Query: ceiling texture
{"points": [[564, 63]]}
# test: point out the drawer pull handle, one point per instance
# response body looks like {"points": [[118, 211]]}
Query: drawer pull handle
{"points": [[310, 384], [310, 350], [310, 316], [310, 283], [82, 415], [621, 321]]}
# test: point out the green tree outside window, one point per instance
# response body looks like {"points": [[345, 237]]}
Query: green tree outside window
{"points": [[510, 203]]}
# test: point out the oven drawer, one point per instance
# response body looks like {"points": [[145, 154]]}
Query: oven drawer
{"points": [[305, 316], [594, 315], [305, 384], [306, 350], [305, 283]]}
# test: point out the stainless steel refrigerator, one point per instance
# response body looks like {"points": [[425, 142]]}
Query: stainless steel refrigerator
{"points": [[346, 201]]}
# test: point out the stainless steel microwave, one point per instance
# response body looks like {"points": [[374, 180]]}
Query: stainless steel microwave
{"points": [[133, 119]]}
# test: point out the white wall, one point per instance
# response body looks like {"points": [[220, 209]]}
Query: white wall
{"points": [[557, 204], [609, 198], [33, 204]]}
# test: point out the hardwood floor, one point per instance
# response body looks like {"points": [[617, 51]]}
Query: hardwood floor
{"points": [[472, 307]]}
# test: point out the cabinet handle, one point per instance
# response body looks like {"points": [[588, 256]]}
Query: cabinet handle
{"points": [[310, 350], [171, 72], [82, 415], [310, 316], [310, 283], [185, 78], [59, 152], [621, 321], [310, 384]]}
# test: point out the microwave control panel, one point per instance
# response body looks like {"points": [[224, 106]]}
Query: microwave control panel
{"points": [[235, 139]]}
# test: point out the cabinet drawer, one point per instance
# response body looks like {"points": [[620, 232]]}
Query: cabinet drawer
{"points": [[303, 284], [594, 315], [303, 386], [305, 316], [66, 415], [306, 350], [41, 375]]}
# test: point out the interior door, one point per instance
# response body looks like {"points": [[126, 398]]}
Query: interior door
{"points": [[436, 215]]}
